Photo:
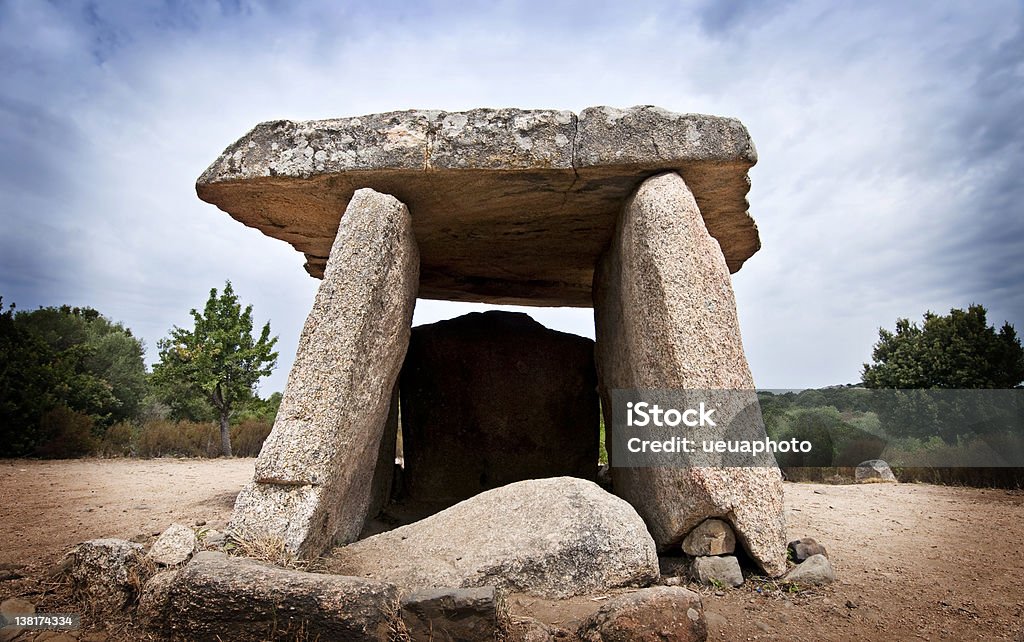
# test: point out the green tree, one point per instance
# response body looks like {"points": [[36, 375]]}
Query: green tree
{"points": [[959, 350], [218, 358], [66, 358]]}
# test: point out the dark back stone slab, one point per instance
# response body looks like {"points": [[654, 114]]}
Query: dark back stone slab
{"points": [[492, 398]]}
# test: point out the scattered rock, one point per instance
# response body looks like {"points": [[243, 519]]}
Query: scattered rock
{"points": [[59, 636], [873, 470], [454, 614], [665, 318], [108, 574], [664, 613], [711, 537], [801, 549], [500, 394], [816, 569], [9, 608], [175, 546], [216, 596], [152, 611], [717, 571], [314, 477], [549, 537]]}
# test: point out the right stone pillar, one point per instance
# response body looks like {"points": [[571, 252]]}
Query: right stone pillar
{"points": [[665, 318]]}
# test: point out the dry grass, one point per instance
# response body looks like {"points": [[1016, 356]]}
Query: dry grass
{"points": [[271, 550]]}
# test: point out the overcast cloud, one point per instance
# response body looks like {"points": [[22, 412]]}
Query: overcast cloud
{"points": [[890, 137]]}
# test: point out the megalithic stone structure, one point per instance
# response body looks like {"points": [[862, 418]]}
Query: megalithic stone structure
{"points": [[505, 206], [665, 318], [313, 483]]}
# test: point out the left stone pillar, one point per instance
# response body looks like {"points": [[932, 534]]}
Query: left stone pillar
{"points": [[314, 477]]}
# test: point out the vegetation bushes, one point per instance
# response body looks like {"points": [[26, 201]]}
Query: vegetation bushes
{"points": [[163, 438], [65, 433], [247, 437], [74, 383]]}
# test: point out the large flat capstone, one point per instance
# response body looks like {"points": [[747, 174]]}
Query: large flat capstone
{"points": [[508, 205]]}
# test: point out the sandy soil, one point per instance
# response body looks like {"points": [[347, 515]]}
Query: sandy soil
{"points": [[913, 561]]}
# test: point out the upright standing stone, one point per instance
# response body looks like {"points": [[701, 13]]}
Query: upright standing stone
{"points": [[665, 318], [313, 482]]}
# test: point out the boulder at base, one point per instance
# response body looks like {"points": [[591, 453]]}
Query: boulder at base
{"points": [[554, 538], [724, 571], [874, 471]]}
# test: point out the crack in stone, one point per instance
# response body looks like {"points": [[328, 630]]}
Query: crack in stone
{"points": [[573, 158], [429, 147]]}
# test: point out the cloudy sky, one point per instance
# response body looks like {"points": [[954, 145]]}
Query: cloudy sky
{"points": [[890, 136]]}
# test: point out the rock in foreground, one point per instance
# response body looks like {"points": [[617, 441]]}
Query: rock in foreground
{"points": [[218, 597], [107, 574], [555, 538]]}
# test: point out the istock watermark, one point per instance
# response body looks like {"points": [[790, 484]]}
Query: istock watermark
{"points": [[727, 428]]}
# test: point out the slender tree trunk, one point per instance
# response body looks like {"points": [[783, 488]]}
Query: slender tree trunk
{"points": [[225, 434], [225, 429]]}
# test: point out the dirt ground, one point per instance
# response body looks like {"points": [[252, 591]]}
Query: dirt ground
{"points": [[913, 561]]}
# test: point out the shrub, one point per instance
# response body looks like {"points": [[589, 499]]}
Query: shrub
{"points": [[65, 433], [117, 440], [247, 437], [162, 438]]}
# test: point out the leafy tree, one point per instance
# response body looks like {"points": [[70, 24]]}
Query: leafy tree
{"points": [[72, 359], [97, 364], [26, 385], [959, 350], [218, 358]]}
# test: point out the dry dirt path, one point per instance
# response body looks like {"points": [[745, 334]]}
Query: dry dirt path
{"points": [[914, 561]]}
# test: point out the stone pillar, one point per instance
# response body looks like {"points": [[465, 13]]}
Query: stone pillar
{"points": [[665, 318], [314, 476]]}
